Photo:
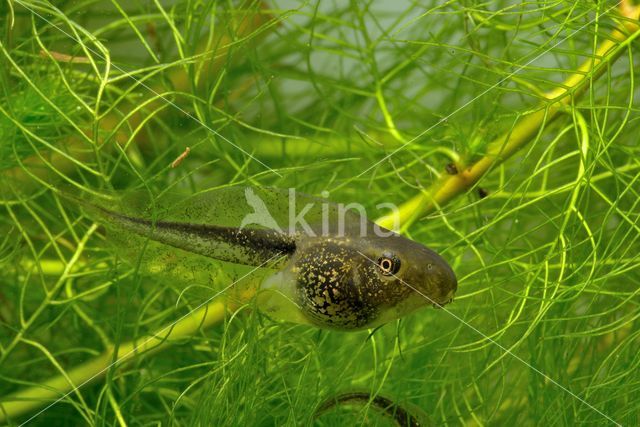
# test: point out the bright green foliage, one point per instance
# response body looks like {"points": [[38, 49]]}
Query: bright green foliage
{"points": [[314, 94]]}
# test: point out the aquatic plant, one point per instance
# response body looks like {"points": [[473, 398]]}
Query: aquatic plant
{"points": [[506, 132]]}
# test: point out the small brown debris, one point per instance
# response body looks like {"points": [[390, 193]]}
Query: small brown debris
{"points": [[63, 57], [180, 158], [152, 33], [451, 168], [482, 192]]}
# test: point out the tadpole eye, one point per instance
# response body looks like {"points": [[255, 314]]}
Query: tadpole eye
{"points": [[388, 264]]}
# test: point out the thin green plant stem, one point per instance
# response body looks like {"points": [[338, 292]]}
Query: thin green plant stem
{"points": [[50, 293]]}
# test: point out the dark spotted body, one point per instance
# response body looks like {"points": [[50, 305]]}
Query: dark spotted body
{"points": [[340, 288], [339, 283], [328, 290]]}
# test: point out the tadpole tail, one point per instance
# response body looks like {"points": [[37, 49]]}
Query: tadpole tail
{"points": [[248, 246]]}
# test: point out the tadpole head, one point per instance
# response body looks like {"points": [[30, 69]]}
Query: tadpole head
{"points": [[409, 275]]}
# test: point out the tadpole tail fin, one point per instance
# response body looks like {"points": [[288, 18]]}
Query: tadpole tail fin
{"points": [[248, 246]]}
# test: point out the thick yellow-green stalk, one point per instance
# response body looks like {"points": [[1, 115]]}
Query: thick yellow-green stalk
{"points": [[450, 186], [61, 386]]}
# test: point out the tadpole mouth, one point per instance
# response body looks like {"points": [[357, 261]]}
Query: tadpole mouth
{"points": [[452, 279], [445, 281]]}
